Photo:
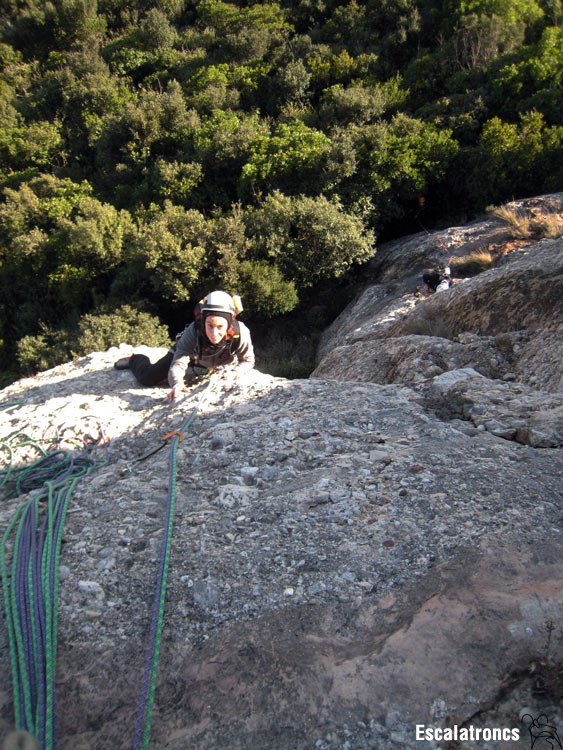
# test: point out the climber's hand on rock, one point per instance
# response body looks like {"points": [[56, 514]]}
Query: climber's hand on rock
{"points": [[174, 393]]}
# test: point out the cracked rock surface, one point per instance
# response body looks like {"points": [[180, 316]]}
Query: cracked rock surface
{"points": [[346, 558]]}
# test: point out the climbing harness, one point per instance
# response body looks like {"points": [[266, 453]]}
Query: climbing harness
{"points": [[144, 715], [29, 566]]}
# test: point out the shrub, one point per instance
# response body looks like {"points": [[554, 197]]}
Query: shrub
{"points": [[225, 140], [99, 330], [35, 353], [472, 264], [176, 181], [514, 159], [532, 74], [244, 33], [37, 144], [523, 225], [287, 356], [293, 81], [265, 290], [479, 39], [144, 129], [399, 161], [171, 246], [156, 32], [360, 103]]}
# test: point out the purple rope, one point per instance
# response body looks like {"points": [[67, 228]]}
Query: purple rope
{"points": [[22, 595], [41, 628], [60, 500], [32, 574], [17, 586]]}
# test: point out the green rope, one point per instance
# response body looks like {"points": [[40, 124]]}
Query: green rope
{"points": [[9, 612], [154, 664], [8, 406], [30, 581], [17, 474], [22, 667], [144, 717]]}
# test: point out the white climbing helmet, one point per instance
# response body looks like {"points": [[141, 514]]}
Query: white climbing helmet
{"points": [[221, 302]]}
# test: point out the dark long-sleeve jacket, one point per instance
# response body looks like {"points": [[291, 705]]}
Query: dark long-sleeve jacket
{"points": [[187, 350]]}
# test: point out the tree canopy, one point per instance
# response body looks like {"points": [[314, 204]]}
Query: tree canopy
{"points": [[150, 149]]}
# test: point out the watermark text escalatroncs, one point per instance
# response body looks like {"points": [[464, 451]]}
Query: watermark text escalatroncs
{"points": [[466, 734], [541, 729]]}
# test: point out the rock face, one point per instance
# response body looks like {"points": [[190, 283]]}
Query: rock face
{"points": [[350, 559], [505, 322]]}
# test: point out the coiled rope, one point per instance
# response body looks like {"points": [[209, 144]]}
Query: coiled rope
{"points": [[146, 703], [30, 582], [30, 577], [9, 446]]}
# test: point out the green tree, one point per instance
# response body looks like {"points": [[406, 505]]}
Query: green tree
{"points": [[89, 248], [328, 68], [532, 78], [397, 162], [292, 82], [39, 204], [292, 156], [59, 247], [156, 31], [176, 181], [228, 137], [223, 143], [38, 352], [171, 246], [75, 21], [308, 239], [513, 160], [155, 125], [359, 103], [244, 33], [37, 144], [78, 90], [227, 245], [478, 31]]}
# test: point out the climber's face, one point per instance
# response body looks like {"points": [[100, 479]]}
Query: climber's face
{"points": [[216, 328]]}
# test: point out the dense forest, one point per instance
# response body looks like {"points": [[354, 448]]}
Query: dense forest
{"points": [[151, 150]]}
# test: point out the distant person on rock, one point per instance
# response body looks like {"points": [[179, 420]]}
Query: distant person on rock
{"points": [[436, 280], [214, 340]]}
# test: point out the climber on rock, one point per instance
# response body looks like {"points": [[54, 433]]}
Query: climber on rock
{"points": [[214, 340], [436, 280]]}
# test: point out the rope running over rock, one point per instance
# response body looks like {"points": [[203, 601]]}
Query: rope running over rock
{"points": [[144, 715]]}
